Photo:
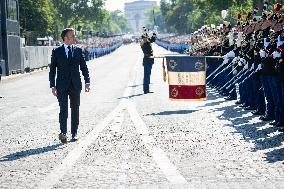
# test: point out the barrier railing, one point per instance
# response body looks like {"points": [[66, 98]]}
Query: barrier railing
{"points": [[92, 53], [180, 48]]}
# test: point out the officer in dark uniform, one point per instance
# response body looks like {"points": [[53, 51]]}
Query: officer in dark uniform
{"points": [[269, 74], [148, 59], [280, 69]]}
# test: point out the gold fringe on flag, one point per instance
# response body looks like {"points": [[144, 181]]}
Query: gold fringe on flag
{"points": [[164, 71]]}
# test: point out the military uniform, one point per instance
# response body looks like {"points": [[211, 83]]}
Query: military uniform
{"points": [[280, 69], [258, 94], [269, 75], [148, 61]]}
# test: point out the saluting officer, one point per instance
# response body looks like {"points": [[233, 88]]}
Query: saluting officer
{"points": [[148, 59]]}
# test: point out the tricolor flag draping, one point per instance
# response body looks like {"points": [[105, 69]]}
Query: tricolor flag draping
{"points": [[186, 77]]}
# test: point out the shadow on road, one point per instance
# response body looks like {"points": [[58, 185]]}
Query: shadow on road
{"points": [[172, 112], [262, 136], [133, 86], [131, 96], [29, 152]]}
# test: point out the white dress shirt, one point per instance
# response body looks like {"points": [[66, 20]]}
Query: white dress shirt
{"points": [[66, 49]]}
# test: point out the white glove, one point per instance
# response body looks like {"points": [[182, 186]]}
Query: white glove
{"points": [[225, 61], [225, 56], [235, 59], [262, 53], [246, 66], [259, 67], [231, 54], [276, 54], [252, 67]]}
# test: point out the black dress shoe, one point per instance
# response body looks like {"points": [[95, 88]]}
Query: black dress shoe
{"points": [[231, 98], [273, 123], [63, 138], [74, 138], [145, 92], [264, 118], [257, 113]]}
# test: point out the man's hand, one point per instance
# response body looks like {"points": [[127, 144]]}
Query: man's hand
{"points": [[54, 91], [87, 87]]}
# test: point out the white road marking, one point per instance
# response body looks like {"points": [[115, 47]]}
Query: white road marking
{"points": [[54, 177], [117, 121], [121, 180], [159, 156]]}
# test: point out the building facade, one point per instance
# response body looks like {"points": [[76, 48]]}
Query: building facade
{"points": [[135, 13]]}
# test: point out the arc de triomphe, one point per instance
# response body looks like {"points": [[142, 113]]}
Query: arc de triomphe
{"points": [[135, 13]]}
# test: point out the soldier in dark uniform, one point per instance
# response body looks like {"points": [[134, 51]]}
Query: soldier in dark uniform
{"points": [[148, 59], [268, 77], [280, 69], [257, 88]]}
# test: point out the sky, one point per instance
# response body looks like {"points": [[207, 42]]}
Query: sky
{"points": [[113, 5]]}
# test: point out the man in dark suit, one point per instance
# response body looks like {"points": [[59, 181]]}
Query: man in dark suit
{"points": [[66, 61]]}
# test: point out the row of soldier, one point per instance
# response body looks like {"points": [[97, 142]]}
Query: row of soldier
{"points": [[102, 44], [253, 63], [253, 53]]}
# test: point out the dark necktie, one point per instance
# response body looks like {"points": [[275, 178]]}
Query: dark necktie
{"points": [[69, 53]]}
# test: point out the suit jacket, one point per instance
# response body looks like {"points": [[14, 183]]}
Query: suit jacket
{"points": [[67, 71]]}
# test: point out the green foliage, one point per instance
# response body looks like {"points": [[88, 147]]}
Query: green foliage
{"points": [[186, 16], [36, 15], [120, 21], [49, 17], [155, 18]]}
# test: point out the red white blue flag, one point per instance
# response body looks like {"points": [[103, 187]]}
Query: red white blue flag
{"points": [[186, 77]]}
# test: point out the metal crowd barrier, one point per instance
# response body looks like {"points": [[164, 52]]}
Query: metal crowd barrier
{"points": [[92, 53], [179, 48]]}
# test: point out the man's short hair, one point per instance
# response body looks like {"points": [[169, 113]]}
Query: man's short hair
{"points": [[65, 31]]}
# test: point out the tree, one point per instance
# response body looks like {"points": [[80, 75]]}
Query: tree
{"points": [[186, 16], [118, 18], [74, 11], [156, 18], [36, 16]]}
